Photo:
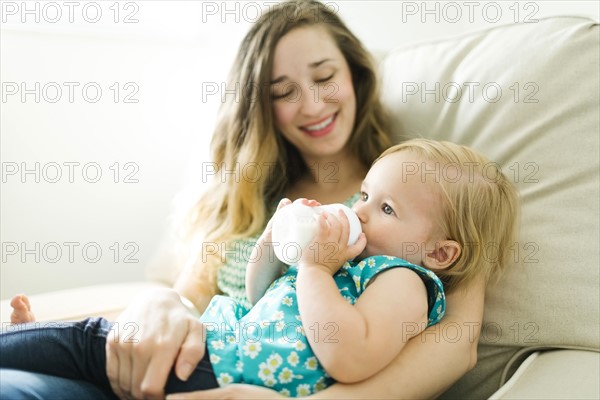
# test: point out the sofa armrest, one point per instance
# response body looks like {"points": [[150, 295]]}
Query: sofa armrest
{"points": [[555, 374], [75, 304]]}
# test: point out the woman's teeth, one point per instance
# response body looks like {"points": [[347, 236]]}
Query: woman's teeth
{"points": [[321, 125]]}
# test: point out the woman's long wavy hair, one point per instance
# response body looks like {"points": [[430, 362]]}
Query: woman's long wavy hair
{"points": [[245, 133]]}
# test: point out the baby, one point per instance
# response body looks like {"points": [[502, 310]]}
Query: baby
{"points": [[428, 210]]}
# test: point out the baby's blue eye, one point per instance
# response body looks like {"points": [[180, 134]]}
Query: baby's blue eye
{"points": [[387, 209], [364, 196]]}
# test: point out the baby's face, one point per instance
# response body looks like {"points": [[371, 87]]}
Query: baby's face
{"points": [[400, 208]]}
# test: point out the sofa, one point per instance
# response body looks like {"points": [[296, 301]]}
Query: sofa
{"points": [[527, 96]]}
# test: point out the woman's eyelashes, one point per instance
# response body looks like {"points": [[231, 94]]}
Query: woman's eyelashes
{"points": [[293, 87], [326, 79], [287, 94]]}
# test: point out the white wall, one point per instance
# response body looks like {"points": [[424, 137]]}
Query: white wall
{"points": [[165, 61]]}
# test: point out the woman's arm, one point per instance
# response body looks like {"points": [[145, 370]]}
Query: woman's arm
{"points": [[421, 370], [196, 287], [430, 362]]}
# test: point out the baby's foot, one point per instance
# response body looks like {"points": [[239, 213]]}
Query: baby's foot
{"points": [[21, 310]]}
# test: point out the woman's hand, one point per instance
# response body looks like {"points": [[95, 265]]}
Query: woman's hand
{"points": [[235, 391], [154, 333]]}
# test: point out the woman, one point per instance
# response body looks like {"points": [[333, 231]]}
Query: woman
{"points": [[311, 120]]}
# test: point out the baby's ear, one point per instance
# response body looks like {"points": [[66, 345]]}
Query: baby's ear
{"points": [[443, 256]]}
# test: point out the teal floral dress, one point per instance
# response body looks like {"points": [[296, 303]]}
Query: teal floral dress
{"points": [[266, 345]]}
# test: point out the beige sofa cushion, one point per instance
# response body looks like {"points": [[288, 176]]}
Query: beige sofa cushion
{"points": [[533, 107], [559, 374]]}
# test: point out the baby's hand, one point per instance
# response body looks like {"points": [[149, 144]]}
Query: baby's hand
{"points": [[21, 310], [266, 236], [329, 250], [306, 202]]}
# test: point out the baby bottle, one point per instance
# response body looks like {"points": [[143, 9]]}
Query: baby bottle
{"points": [[295, 225]]}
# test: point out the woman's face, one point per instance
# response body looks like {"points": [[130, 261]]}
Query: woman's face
{"points": [[313, 96]]}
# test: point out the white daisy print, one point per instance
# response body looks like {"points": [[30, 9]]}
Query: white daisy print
{"points": [[293, 359], [214, 359], [230, 339], [356, 280], [320, 385], [280, 325], [224, 379], [361, 265], [311, 363], [265, 372], [287, 301], [299, 346], [278, 315], [285, 392], [269, 382], [286, 375], [371, 263], [274, 361], [239, 365], [303, 390], [217, 344], [252, 349]]}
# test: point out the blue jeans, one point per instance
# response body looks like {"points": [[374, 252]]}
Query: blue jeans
{"points": [[15, 384], [75, 351]]}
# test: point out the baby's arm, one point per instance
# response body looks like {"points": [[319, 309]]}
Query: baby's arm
{"points": [[355, 342], [263, 267]]}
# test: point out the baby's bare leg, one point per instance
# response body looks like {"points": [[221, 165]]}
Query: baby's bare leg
{"points": [[21, 310]]}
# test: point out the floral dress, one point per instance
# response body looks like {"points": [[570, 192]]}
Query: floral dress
{"points": [[267, 344]]}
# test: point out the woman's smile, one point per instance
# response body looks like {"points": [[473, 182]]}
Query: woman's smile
{"points": [[320, 128]]}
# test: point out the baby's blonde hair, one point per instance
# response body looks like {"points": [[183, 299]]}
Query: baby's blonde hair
{"points": [[481, 211]]}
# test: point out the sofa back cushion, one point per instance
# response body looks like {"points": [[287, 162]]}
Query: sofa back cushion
{"points": [[526, 96]]}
